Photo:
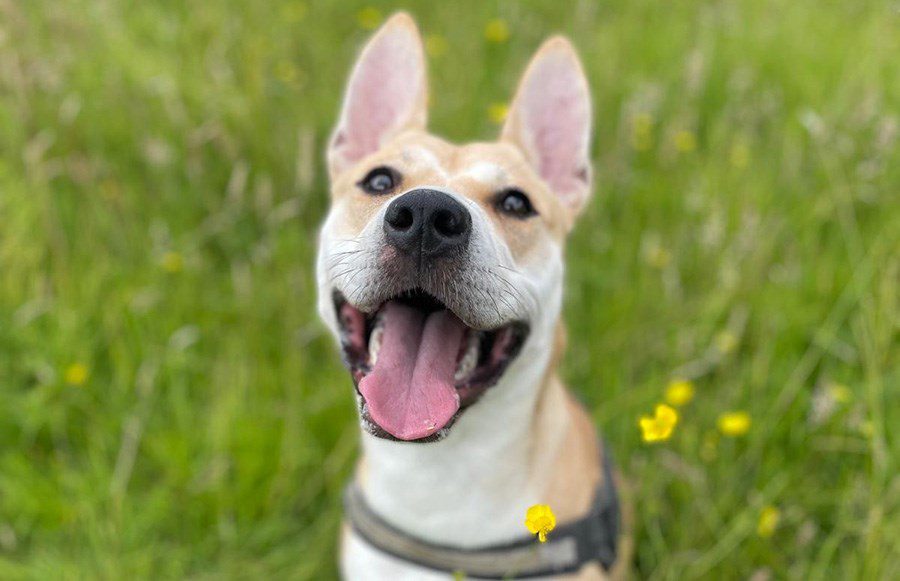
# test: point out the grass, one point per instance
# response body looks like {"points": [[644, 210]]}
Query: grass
{"points": [[161, 182]]}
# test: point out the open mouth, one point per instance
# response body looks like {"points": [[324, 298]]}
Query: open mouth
{"points": [[416, 365]]}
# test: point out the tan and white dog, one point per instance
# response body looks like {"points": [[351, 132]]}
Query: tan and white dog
{"points": [[440, 272]]}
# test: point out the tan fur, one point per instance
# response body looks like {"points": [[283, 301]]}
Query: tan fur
{"points": [[577, 473]]}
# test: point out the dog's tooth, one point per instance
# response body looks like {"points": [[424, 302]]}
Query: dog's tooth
{"points": [[375, 342], [469, 359]]}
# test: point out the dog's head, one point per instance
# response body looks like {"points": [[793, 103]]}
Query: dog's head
{"points": [[440, 265]]}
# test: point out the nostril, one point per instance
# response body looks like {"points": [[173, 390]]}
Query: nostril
{"points": [[448, 223], [401, 218]]}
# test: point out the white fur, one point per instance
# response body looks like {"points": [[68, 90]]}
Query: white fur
{"points": [[422, 157], [487, 173]]}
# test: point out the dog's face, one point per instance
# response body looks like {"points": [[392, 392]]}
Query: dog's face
{"points": [[439, 264]]}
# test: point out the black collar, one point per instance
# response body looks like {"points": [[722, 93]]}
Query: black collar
{"points": [[592, 538]]}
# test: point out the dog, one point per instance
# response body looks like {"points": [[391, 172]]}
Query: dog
{"points": [[440, 273]]}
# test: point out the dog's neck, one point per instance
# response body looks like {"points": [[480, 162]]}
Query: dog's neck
{"points": [[473, 487]]}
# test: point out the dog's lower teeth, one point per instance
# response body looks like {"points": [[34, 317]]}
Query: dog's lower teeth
{"points": [[375, 342], [469, 359]]}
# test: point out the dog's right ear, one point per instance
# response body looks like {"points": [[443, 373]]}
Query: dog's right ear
{"points": [[387, 93]]}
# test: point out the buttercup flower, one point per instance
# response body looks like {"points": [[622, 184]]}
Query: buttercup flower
{"points": [[768, 521], [734, 424], [840, 392], [76, 374], [172, 262], [679, 392], [498, 112], [659, 427], [496, 30], [540, 520]]}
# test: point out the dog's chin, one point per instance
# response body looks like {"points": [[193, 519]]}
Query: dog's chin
{"points": [[419, 364]]}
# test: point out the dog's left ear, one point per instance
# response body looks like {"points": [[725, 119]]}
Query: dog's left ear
{"points": [[386, 94], [550, 121]]}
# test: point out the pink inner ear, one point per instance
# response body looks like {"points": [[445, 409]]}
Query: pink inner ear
{"points": [[556, 115], [382, 95]]}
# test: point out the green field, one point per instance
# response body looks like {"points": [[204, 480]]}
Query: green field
{"points": [[170, 406]]}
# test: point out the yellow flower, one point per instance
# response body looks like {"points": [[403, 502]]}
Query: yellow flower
{"points": [[659, 427], [840, 393], [435, 45], [734, 424], [497, 112], [540, 520], [726, 342], [369, 18], [496, 30], [685, 141], [172, 262], [76, 374], [679, 392], [642, 132], [768, 521]]}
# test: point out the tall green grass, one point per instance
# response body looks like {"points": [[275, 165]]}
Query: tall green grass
{"points": [[161, 183]]}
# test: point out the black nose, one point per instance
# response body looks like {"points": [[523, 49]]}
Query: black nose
{"points": [[427, 223]]}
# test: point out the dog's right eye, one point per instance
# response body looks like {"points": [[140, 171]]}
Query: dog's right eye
{"points": [[381, 180]]}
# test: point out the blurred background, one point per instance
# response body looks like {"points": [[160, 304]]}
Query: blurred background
{"points": [[170, 406]]}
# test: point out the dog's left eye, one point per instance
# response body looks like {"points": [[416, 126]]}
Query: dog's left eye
{"points": [[380, 180], [513, 202]]}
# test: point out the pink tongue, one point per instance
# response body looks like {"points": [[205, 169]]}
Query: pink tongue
{"points": [[410, 392]]}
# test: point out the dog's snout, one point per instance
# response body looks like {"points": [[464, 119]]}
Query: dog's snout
{"points": [[428, 222]]}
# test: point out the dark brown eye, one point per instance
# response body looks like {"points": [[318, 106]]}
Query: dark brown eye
{"points": [[381, 180], [515, 203]]}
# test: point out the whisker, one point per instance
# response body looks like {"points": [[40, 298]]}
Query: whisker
{"points": [[509, 269]]}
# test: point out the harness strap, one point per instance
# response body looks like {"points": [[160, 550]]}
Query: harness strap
{"points": [[592, 538]]}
